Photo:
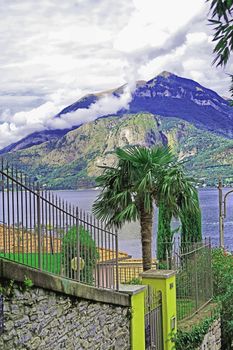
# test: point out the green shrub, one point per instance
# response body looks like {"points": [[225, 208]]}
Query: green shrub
{"points": [[87, 251], [134, 280], [27, 283], [192, 339], [223, 291]]}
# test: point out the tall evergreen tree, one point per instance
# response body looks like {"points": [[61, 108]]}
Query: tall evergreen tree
{"points": [[189, 215]]}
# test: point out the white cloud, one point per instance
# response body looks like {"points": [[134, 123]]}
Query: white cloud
{"points": [[54, 52], [43, 117]]}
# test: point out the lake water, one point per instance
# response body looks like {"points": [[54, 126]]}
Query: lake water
{"points": [[129, 235]]}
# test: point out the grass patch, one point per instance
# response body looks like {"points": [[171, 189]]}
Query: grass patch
{"points": [[49, 262]]}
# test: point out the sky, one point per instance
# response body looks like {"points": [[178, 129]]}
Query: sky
{"points": [[53, 52]]}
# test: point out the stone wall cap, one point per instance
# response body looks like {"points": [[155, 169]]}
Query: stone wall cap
{"points": [[131, 289], [17, 272], [158, 274]]}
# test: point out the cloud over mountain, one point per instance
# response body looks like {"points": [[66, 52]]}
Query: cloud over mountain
{"points": [[53, 53]]}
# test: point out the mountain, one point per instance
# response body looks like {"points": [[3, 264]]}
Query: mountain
{"points": [[33, 139], [194, 121], [167, 95], [72, 161]]}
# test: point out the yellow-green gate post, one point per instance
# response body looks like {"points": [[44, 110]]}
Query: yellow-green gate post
{"points": [[137, 296], [164, 281]]}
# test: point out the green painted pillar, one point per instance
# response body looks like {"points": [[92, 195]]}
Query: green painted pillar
{"points": [[164, 281], [137, 296]]}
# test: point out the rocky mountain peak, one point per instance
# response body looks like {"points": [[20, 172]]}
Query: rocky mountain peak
{"points": [[165, 74]]}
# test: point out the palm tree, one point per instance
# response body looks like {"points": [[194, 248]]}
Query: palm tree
{"points": [[130, 190]]}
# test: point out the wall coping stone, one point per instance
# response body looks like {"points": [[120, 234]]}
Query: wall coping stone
{"points": [[158, 274], [131, 289], [17, 272]]}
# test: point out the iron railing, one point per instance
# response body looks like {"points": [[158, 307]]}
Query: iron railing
{"points": [[194, 285], [153, 319], [40, 230], [129, 270]]}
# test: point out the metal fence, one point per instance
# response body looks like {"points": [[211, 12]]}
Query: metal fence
{"points": [[129, 270], [153, 319], [194, 287], [40, 230]]}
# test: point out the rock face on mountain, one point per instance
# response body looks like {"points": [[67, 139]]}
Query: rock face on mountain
{"points": [[72, 161], [172, 96]]}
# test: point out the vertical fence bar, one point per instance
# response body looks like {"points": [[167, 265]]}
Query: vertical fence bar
{"points": [[64, 233], [30, 216], [78, 244], [50, 227], [3, 210], [71, 256], [116, 245], [13, 211], [84, 248], [61, 238], [53, 238], [26, 216], [43, 230], [96, 253], [98, 250], [39, 227], [196, 279], [22, 216], [59, 252], [102, 252], [8, 212], [46, 232]]}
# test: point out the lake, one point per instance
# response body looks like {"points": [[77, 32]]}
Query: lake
{"points": [[129, 235]]}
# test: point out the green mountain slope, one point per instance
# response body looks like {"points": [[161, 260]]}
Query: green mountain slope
{"points": [[72, 161], [206, 156]]}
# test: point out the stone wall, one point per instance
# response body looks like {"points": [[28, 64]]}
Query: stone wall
{"points": [[41, 319], [212, 340]]}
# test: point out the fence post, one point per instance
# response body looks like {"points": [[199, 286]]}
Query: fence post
{"points": [[165, 281], [196, 279], [117, 271], [137, 296], [39, 227], [77, 244]]}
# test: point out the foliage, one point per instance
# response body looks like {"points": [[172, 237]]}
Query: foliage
{"points": [[191, 223], [135, 280], [192, 339], [184, 205], [27, 283], [132, 184], [87, 251], [142, 177], [223, 291], [165, 234], [222, 271], [7, 287], [223, 27], [130, 189]]}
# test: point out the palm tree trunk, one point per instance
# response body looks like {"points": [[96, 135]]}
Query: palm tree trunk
{"points": [[146, 222]]}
